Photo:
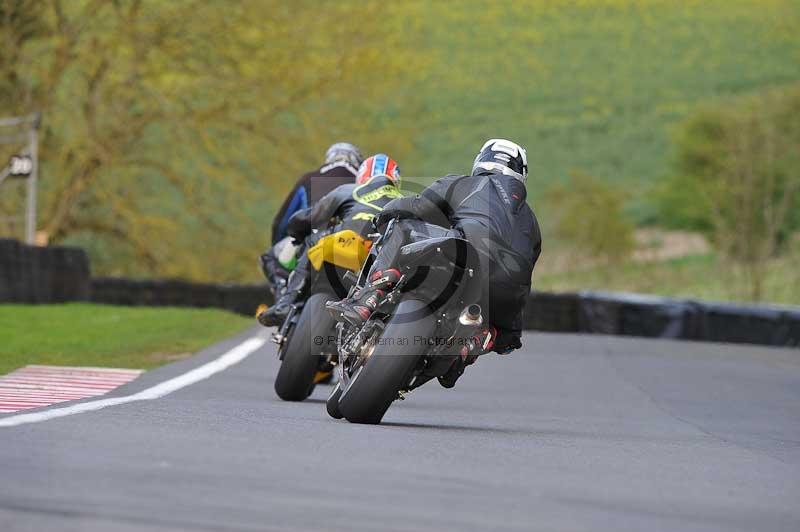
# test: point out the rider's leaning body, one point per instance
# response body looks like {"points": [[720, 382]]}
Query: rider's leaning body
{"points": [[348, 207], [342, 160], [355, 205], [489, 209]]}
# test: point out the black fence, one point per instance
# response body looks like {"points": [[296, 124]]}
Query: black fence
{"points": [[58, 274], [242, 299], [661, 317], [31, 274]]}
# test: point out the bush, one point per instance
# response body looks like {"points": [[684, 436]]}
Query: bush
{"points": [[588, 216], [737, 178]]}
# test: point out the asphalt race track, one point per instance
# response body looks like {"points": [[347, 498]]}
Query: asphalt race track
{"points": [[573, 433]]}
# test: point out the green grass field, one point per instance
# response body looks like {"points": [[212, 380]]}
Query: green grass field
{"points": [[84, 334], [594, 84], [693, 276]]}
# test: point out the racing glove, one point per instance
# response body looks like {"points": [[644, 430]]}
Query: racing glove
{"points": [[380, 220], [507, 341]]}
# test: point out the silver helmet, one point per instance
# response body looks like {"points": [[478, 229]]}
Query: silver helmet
{"points": [[344, 151]]}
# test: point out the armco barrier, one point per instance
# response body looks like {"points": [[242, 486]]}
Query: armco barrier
{"points": [[584, 312], [769, 325], [661, 317], [55, 274], [636, 315], [552, 312]]}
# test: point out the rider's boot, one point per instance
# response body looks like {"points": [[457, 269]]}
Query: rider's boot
{"points": [[479, 344], [357, 309], [277, 313]]}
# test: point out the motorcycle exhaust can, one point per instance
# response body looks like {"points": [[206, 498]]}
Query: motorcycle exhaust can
{"points": [[471, 316]]}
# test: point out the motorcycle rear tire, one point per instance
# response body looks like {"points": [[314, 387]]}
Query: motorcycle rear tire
{"points": [[377, 383], [301, 359]]}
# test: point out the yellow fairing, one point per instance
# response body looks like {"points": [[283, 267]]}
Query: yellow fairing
{"points": [[346, 249]]}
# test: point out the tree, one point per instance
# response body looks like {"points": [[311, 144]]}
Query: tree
{"points": [[738, 177], [21, 21], [161, 119]]}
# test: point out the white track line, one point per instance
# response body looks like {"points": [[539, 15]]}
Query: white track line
{"points": [[228, 359]]}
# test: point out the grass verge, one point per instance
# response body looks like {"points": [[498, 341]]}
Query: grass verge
{"points": [[84, 334], [701, 276]]}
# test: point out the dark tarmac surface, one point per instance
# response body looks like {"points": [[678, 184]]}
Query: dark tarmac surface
{"points": [[571, 433]]}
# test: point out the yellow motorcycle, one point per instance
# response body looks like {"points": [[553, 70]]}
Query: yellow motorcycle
{"points": [[307, 338]]}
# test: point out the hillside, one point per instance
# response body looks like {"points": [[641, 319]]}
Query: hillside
{"points": [[157, 160], [591, 85]]}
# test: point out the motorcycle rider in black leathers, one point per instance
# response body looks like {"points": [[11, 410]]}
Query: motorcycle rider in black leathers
{"points": [[353, 205], [342, 160], [489, 209]]}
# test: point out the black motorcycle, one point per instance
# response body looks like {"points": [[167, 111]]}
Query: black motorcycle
{"points": [[424, 323]]}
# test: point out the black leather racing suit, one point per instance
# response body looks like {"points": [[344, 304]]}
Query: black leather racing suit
{"points": [[351, 206], [489, 210], [308, 190]]}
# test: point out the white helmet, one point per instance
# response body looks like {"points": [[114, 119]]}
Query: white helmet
{"points": [[503, 156]]}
